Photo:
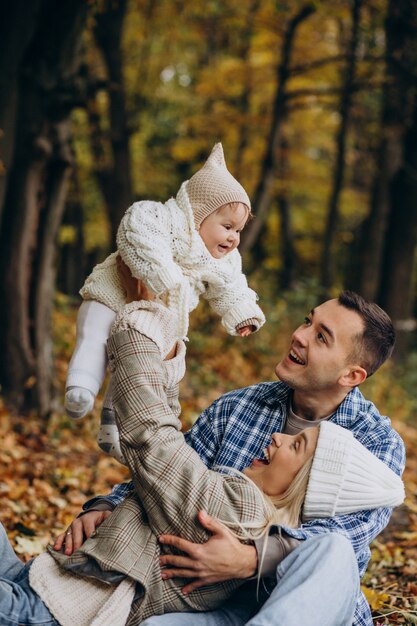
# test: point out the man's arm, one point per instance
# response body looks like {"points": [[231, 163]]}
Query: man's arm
{"points": [[203, 437], [223, 557]]}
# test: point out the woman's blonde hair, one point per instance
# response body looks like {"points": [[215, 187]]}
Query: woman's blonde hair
{"points": [[288, 506]]}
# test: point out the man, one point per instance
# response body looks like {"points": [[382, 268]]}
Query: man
{"points": [[340, 344]]}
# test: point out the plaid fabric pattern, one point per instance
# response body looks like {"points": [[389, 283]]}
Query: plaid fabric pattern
{"points": [[236, 428], [172, 483]]}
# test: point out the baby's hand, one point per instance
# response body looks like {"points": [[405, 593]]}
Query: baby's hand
{"points": [[245, 331]]}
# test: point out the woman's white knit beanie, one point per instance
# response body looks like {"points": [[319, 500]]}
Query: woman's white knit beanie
{"points": [[346, 477], [213, 186]]}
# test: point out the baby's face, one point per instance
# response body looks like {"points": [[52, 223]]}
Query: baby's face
{"points": [[221, 230]]}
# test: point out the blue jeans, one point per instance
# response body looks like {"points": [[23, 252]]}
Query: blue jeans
{"points": [[19, 604], [317, 584]]}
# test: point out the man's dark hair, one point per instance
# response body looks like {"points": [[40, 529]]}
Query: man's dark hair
{"points": [[376, 343]]}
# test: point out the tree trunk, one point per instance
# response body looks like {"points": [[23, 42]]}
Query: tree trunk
{"points": [[372, 236], [401, 235], [396, 295], [265, 188], [287, 247], [35, 201], [16, 17], [327, 262], [115, 178], [72, 255], [244, 100], [396, 118], [288, 252], [55, 190]]}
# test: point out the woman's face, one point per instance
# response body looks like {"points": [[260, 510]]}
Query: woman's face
{"points": [[286, 455]]}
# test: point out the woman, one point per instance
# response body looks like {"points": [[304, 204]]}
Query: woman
{"points": [[117, 571]]}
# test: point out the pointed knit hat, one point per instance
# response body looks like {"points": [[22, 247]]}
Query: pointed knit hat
{"points": [[213, 186], [346, 477]]}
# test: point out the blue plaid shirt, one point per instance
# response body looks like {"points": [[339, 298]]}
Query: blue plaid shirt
{"points": [[237, 427]]}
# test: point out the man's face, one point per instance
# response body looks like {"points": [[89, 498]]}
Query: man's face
{"points": [[319, 349]]}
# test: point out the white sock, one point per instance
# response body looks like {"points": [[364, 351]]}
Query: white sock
{"points": [[78, 402], [87, 367]]}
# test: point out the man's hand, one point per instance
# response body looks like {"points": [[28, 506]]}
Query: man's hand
{"points": [[80, 529], [221, 558]]}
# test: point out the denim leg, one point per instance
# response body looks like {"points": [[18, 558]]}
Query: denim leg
{"points": [[317, 584], [19, 604], [230, 614], [10, 564]]}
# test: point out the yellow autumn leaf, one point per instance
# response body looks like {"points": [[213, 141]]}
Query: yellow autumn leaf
{"points": [[375, 598]]}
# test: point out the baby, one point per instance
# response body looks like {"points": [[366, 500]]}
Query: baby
{"points": [[182, 249]]}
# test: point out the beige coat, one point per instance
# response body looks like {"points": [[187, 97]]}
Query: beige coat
{"points": [[172, 484]]}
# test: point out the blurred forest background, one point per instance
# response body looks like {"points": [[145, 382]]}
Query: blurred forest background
{"points": [[104, 102]]}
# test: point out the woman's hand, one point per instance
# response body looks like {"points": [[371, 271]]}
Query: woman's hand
{"points": [[135, 288], [80, 529]]}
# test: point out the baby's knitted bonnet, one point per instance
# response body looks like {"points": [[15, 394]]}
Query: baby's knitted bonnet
{"points": [[346, 477], [213, 186]]}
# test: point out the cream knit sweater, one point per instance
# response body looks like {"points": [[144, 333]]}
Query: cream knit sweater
{"points": [[161, 246]]}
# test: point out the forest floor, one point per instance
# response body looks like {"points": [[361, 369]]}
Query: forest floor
{"points": [[48, 469]]}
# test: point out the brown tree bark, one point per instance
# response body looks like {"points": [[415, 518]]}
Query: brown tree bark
{"points": [[288, 252], [372, 236], [72, 254], [15, 17], [396, 282], [114, 177], [380, 232], [327, 261], [265, 189], [395, 294], [34, 203], [244, 100]]}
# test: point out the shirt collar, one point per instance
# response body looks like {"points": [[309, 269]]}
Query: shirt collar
{"points": [[276, 394], [350, 410]]}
